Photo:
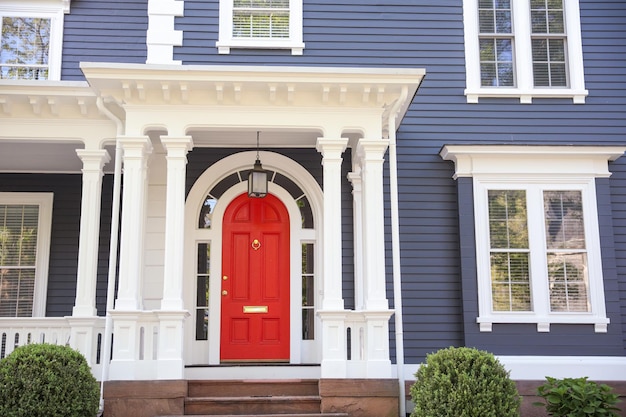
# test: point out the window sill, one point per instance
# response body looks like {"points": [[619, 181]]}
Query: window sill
{"points": [[543, 322], [225, 47], [526, 96]]}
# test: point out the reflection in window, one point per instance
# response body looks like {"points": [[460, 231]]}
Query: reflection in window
{"points": [[548, 43], [496, 43], [202, 291], [308, 292], [510, 265], [567, 257], [206, 212], [18, 256], [261, 19], [24, 48]]}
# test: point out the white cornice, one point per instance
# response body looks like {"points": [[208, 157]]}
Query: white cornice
{"points": [[473, 160]]}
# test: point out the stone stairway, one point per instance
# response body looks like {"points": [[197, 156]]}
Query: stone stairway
{"points": [[284, 398]]}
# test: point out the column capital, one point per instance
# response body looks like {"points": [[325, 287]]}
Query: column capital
{"points": [[135, 146], [93, 159], [177, 146], [331, 148], [371, 149]]}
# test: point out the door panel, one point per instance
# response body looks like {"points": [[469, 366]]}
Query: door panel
{"points": [[255, 285]]}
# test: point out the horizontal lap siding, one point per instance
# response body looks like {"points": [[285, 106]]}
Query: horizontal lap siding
{"points": [[104, 31]]}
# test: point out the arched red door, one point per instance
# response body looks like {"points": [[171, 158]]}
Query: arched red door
{"points": [[255, 280]]}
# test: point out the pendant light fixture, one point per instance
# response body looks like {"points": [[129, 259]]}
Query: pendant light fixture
{"points": [[257, 179]]}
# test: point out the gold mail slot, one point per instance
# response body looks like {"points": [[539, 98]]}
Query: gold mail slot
{"points": [[254, 309]]}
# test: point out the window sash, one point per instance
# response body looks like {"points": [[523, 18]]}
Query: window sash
{"points": [[25, 47], [520, 73], [25, 225], [555, 286]]}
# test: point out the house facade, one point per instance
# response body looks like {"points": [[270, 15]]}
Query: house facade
{"points": [[439, 173]]}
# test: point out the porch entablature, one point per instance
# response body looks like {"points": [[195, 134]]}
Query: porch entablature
{"points": [[180, 99]]}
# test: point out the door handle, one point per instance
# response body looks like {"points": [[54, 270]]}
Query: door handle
{"points": [[224, 292]]}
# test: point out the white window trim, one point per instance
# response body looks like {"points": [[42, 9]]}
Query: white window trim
{"points": [[227, 41], [44, 201], [536, 167], [524, 89], [49, 9]]}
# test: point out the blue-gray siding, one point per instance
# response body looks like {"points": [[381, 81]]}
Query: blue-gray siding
{"points": [[103, 31]]}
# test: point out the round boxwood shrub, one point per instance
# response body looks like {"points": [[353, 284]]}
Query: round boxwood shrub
{"points": [[464, 382], [43, 380]]}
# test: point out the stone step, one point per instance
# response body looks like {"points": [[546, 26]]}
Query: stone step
{"points": [[253, 388], [255, 405], [265, 415]]}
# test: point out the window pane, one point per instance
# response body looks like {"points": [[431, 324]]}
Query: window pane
{"points": [[496, 56], [510, 282], [261, 18], [24, 48], [494, 17], [508, 219], [308, 291], [202, 290], [547, 16], [565, 228], [204, 220], [549, 68], [16, 292], [18, 258], [202, 324], [567, 274]]}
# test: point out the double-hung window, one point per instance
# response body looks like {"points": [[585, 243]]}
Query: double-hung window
{"points": [[523, 48], [25, 222], [31, 39], [538, 257], [269, 24]]}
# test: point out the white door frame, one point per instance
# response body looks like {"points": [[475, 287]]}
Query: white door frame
{"points": [[208, 352]]}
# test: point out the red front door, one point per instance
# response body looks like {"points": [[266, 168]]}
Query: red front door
{"points": [[255, 280]]}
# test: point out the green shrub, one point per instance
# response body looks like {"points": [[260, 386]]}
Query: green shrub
{"points": [[42, 380], [577, 397], [464, 382]]}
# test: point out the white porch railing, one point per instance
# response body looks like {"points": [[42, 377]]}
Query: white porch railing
{"points": [[15, 332]]}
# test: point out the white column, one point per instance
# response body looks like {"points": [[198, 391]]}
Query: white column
{"points": [[136, 153], [370, 154], [93, 162], [177, 148], [331, 313], [357, 215], [331, 150]]}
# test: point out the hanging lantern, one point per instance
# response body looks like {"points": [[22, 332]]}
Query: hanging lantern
{"points": [[257, 179]]}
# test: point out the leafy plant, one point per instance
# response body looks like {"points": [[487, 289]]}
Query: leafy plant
{"points": [[577, 397], [464, 382], [43, 380]]}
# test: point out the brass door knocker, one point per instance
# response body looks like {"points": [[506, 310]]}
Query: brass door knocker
{"points": [[256, 244]]}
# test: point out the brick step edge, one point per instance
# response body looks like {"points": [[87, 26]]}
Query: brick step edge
{"points": [[257, 398], [261, 415]]}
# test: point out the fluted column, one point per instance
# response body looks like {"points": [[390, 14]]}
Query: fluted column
{"points": [[370, 154], [331, 150], [136, 153], [331, 313], [86, 279], [177, 148]]}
